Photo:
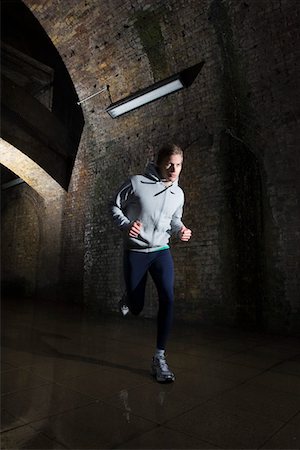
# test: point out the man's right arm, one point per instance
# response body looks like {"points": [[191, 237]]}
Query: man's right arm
{"points": [[118, 204]]}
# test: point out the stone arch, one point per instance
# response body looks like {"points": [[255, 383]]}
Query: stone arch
{"points": [[29, 171], [39, 112], [33, 265]]}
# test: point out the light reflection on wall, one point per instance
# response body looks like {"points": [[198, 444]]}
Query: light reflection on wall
{"points": [[29, 171], [48, 208]]}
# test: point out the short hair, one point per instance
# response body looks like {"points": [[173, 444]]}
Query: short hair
{"points": [[168, 150]]}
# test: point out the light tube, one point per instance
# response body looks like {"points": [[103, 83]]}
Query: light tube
{"points": [[157, 90], [142, 99]]}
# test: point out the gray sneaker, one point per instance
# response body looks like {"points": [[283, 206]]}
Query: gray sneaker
{"points": [[123, 308], [160, 370]]}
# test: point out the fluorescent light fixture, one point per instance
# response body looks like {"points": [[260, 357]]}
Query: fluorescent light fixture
{"points": [[142, 99], [155, 91]]}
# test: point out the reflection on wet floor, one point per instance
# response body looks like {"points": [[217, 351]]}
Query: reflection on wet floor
{"points": [[72, 379]]}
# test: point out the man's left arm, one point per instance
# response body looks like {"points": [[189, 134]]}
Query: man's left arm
{"points": [[178, 227]]}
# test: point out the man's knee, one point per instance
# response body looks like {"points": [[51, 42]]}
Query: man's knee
{"points": [[135, 310]]}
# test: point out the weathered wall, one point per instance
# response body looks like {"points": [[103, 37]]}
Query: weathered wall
{"points": [[19, 218], [30, 242], [263, 98], [237, 123]]}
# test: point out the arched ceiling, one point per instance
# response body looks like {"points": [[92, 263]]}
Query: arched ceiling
{"points": [[39, 112], [25, 168]]}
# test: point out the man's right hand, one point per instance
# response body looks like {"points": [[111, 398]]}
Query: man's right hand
{"points": [[135, 229]]}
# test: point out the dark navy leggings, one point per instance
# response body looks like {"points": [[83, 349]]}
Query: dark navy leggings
{"points": [[160, 266]]}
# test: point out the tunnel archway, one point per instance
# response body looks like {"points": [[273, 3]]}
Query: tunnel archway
{"points": [[41, 127], [39, 101], [25, 168]]}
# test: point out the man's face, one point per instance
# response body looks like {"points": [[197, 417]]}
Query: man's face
{"points": [[170, 168]]}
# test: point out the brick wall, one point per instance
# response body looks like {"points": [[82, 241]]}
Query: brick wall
{"points": [[237, 123], [265, 36], [30, 243], [19, 255]]}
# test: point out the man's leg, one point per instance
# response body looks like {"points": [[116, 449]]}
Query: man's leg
{"points": [[135, 274], [162, 272]]}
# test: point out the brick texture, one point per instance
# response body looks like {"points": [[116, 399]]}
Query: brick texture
{"points": [[237, 124]]}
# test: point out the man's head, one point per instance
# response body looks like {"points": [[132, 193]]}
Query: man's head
{"points": [[169, 162]]}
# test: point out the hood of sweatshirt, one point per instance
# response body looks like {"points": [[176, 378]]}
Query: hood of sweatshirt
{"points": [[151, 172]]}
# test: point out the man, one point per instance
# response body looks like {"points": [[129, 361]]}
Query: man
{"points": [[148, 210]]}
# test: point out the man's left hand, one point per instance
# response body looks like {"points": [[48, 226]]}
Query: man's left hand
{"points": [[185, 234]]}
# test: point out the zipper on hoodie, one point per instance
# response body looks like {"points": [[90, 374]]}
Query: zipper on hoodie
{"points": [[165, 193]]}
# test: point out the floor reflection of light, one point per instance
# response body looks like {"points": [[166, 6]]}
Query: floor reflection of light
{"points": [[29, 171], [124, 398]]}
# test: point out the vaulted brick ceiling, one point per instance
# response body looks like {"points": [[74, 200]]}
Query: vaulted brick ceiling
{"points": [[40, 116]]}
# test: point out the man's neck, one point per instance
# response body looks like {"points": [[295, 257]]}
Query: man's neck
{"points": [[167, 183]]}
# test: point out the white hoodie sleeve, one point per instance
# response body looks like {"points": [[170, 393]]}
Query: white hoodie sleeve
{"points": [[118, 205], [176, 222]]}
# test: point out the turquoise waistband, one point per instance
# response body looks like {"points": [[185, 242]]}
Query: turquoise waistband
{"points": [[149, 250], [161, 248]]}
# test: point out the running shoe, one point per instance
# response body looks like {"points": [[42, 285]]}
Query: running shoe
{"points": [[123, 308], [160, 370]]}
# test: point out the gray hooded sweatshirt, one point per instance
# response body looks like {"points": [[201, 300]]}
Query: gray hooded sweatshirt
{"points": [[147, 199]]}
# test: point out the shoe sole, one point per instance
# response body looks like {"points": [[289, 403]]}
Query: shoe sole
{"points": [[124, 312], [161, 379]]}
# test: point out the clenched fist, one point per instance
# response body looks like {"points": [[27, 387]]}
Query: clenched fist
{"points": [[135, 229], [185, 234]]}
